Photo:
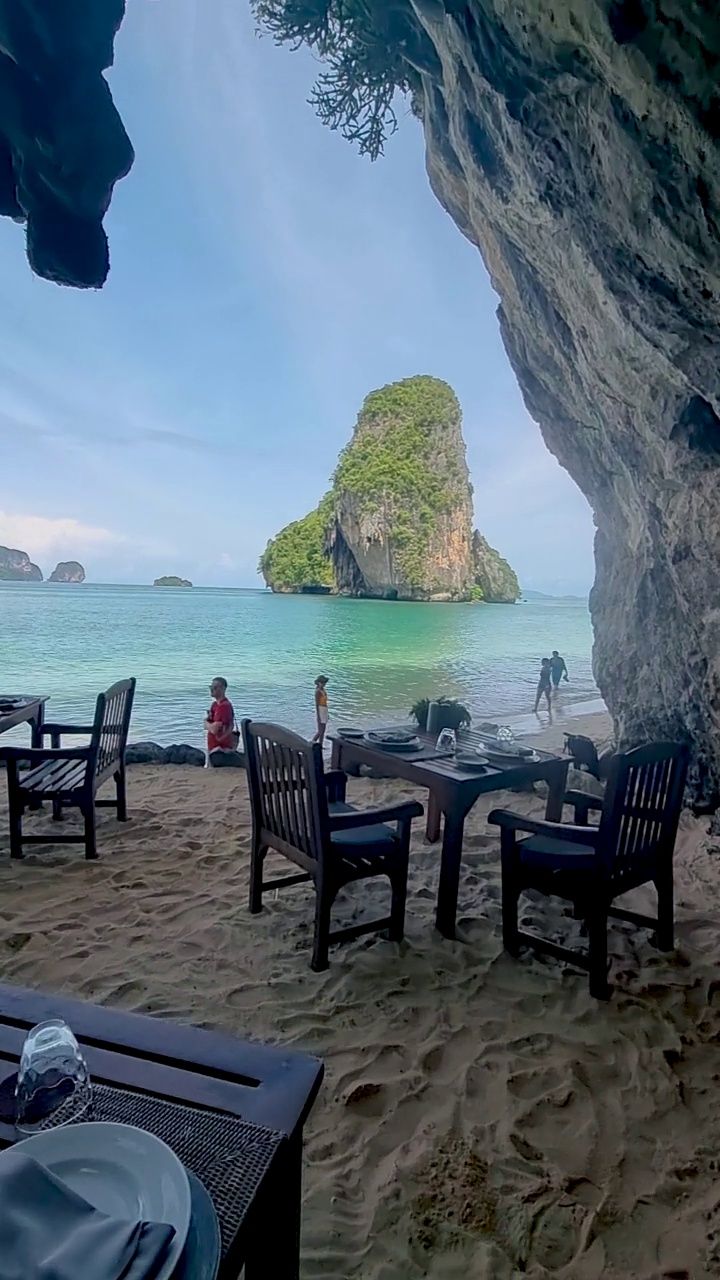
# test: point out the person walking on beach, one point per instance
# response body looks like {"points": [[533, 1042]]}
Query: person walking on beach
{"points": [[544, 685], [220, 719], [321, 708], [558, 669]]}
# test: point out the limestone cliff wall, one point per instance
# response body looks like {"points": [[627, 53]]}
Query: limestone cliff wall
{"points": [[62, 143], [576, 144]]}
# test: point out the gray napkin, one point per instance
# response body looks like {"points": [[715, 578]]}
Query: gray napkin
{"points": [[47, 1232]]}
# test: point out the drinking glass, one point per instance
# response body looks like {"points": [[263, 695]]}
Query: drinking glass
{"points": [[447, 741], [53, 1085], [505, 734]]}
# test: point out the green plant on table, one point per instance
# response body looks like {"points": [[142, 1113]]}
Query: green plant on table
{"points": [[454, 715]]}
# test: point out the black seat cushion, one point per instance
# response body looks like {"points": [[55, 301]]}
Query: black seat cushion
{"points": [[556, 855], [376, 838]]}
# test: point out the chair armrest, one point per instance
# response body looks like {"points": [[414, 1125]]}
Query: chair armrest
{"points": [[583, 800], [37, 755], [66, 728], [335, 784], [569, 831], [368, 817]]}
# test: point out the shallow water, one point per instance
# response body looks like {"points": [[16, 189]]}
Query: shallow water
{"points": [[71, 641]]}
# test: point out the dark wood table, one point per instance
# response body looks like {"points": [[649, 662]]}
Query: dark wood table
{"points": [[272, 1087], [32, 712], [453, 792]]}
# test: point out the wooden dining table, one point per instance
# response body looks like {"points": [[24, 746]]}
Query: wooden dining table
{"points": [[233, 1111], [30, 711], [453, 792]]}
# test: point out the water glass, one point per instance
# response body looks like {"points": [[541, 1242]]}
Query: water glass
{"points": [[505, 734], [53, 1084], [447, 741]]}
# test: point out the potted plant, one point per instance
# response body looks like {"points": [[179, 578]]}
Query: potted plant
{"points": [[451, 713]]}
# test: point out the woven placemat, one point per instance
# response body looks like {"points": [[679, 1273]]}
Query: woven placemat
{"points": [[230, 1156]]}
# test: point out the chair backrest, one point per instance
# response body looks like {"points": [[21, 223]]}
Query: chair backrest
{"points": [[111, 725], [287, 790], [642, 807]]}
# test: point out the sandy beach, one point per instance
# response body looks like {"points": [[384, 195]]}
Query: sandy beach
{"points": [[481, 1116]]}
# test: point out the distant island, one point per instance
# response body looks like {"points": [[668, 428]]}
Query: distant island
{"points": [[397, 521], [171, 581], [16, 566], [67, 571]]}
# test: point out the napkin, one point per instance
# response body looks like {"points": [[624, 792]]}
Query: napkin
{"points": [[47, 1232]]}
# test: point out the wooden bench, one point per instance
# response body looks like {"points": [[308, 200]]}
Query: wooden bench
{"points": [[71, 776]]}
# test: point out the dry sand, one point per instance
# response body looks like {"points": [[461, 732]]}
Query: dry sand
{"points": [[481, 1116]]}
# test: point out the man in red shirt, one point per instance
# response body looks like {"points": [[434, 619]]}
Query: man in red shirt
{"points": [[220, 719]]}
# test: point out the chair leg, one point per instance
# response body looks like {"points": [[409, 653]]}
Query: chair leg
{"points": [[398, 884], [510, 895], [323, 904], [16, 817], [121, 795], [90, 831], [57, 810], [666, 912], [600, 989], [257, 863]]}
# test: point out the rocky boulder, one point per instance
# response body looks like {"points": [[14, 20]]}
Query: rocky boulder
{"points": [[67, 571], [16, 566], [152, 753], [62, 143]]}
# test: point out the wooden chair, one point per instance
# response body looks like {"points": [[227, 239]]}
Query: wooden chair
{"points": [[591, 866], [300, 811], [72, 775]]}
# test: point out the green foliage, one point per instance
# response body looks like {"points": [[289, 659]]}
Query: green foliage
{"points": [[476, 593], [296, 559], [171, 580], [493, 575], [395, 462], [371, 48], [454, 715]]}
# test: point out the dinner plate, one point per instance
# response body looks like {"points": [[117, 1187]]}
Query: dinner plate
{"points": [[123, 1171], [510, 757], [470, 760], [351, 733], [376, 738]]}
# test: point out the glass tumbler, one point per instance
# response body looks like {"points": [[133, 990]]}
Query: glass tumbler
{"points": [[447, 740], [53, 1084]]}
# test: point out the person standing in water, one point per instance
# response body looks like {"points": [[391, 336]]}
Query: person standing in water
{"points": [[544, 685], [321, 708], [558, 669]]}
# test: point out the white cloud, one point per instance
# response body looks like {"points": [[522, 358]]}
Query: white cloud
{"points": [[226, 561], [39, 535]]}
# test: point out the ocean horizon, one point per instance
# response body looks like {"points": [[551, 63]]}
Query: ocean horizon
{"points": [[69, 642]]}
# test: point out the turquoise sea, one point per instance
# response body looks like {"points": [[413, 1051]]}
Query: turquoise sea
{"points": [[71, 641]]}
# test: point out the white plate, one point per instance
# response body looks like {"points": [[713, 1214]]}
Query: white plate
{"points": [[121, 1170], [509, 757]]}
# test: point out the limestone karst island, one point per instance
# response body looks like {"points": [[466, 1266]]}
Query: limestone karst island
{"points": [[396, 523]]}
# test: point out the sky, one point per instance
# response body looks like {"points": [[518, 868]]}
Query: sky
{"points": [[264, 278]]}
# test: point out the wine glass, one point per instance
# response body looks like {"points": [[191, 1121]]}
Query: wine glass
{"points": [[447, 740], [505, 734], [53, 1084]]}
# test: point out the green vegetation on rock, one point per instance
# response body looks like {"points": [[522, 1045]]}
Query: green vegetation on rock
{"points": [[170, 580], [396, 464], [494, 577], [297, 559], [397, 521]]}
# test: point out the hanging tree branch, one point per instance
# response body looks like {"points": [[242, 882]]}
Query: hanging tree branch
{"points": [[364, 43]]}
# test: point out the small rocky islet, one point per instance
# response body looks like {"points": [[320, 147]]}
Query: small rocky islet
{"points": [[397, 522], [16, 566]]}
